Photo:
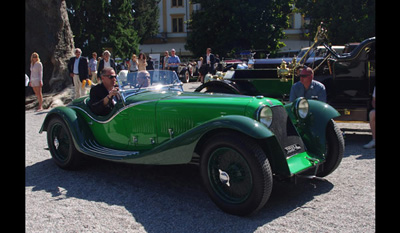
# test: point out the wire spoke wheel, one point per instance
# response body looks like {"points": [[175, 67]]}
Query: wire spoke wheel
{"points": [[236, 173], [61, 145], [230, 175]]}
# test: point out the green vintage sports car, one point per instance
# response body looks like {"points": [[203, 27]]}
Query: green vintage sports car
{"points": [[239, 142]]}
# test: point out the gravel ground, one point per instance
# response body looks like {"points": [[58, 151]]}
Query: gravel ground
{"points": [[112, 197]]}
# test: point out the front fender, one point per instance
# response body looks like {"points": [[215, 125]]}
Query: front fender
{"points": [[76, 125], [242, 124], [313, 128]]}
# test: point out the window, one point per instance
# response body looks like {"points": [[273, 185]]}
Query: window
{"points": [[177, 23], [291, 21], [177, 3]]}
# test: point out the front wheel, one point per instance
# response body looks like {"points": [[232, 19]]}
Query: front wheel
{"points": [[335, 148], [61, 145], [236, 173]]}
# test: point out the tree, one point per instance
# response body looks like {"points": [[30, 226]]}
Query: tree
{"points": [[123, 37], [146, 14], [231, 26], [346, 21], [100, 24], [87, 23]]}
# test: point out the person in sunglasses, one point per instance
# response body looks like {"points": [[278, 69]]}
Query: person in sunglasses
{"points": [[308, 87], [103, 97]]}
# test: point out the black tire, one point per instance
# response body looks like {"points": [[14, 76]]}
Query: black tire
{"points": [[335, 149], [236, 173], [61, 145]]}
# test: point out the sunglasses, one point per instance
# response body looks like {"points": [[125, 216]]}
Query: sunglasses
{"points": [[110, 76], [305, 76]]}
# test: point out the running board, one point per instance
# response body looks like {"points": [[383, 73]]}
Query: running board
{"points": [[92, 148]]}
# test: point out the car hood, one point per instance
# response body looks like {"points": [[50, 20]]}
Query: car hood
{"points": [[204, 103]]}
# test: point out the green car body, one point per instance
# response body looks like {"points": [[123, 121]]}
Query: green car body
{"points": [[164, 125]]}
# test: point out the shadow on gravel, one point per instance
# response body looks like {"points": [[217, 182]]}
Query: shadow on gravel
{"points": [[357, 141], [165, 198]]}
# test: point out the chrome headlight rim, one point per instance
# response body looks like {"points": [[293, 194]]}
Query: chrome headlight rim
{"points": [[302, 107], [264, 115]]}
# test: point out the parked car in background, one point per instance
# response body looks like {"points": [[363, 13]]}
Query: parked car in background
{"points": [[349, 78], [186, 71]]}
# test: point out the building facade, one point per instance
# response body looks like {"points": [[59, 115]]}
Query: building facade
{"points": [[174, 15], [296, 33]]}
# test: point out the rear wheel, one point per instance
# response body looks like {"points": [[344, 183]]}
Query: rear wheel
{"points": [[236, 173], [61, 145]]}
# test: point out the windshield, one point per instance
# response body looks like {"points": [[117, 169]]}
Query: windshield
{"points": [[151, 80]]}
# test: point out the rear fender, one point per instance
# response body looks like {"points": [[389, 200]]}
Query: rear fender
{"points": [[76, 125]]}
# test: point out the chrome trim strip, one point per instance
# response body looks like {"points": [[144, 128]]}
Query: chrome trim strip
{"points": [[112, 117], [94, 147]]}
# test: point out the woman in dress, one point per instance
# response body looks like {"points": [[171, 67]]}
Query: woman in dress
{"points": [[142, 62], [36, 81]]}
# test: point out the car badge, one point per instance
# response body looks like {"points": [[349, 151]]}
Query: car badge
{"points": [[292, 148]]}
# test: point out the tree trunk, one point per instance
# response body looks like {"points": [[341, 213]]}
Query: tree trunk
{"points": [[48, 32]]}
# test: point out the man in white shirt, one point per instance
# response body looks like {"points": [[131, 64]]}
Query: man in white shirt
{"points": [[79, 71]]}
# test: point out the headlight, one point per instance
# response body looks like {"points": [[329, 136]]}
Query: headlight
{"points": [[265, 115], [301, 107]]}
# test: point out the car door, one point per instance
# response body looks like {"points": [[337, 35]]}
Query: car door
{"points": [[141, 125]]}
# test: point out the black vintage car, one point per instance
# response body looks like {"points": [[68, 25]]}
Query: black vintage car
{"points": [[349, 79]]}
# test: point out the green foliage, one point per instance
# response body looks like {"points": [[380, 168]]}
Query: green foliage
{"points": [[146, 18], [346, 20], [116, 24], [228, 26], [122, 37], [87, 23]]}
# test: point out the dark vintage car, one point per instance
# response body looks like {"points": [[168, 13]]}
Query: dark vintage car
{"points": [[349, 79], [187, 71]]}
